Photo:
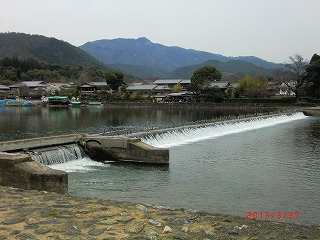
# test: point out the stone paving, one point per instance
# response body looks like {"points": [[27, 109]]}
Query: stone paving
{"points": [[41, 215]]}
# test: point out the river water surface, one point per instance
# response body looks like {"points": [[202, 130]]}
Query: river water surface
{"points": [[262, 165]]}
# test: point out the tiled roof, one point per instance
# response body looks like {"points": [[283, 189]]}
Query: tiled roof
{"points": [[141, 87], [3, 87], [167, 81], [220, 84], [98, 83], [186, 81], [31, 84]]}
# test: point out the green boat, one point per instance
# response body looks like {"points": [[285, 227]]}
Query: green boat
{"points": [[58, 100], [95, 103], [75, 103]]}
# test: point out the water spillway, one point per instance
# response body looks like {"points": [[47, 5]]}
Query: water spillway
{"points": [[184, 135], [58, 154]]}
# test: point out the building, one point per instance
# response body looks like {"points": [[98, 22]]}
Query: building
{"points": [[93, 87], [285, 89], [31, 85], [4, 88], [61, 85], [223, 86], [165, 89], [170, 83]]}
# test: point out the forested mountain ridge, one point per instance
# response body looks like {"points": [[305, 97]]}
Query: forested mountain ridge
{"points": [[44, 49], [143, 52], [146, 60], [139, 58]]}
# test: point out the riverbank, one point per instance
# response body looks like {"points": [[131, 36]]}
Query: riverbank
{"points": [[42, 215]]}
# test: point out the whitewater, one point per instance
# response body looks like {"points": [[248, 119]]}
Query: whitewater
{"points": [[186, 135]]}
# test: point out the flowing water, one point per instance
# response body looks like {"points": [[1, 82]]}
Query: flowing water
{"points": [[262, 164], [58, 155]]}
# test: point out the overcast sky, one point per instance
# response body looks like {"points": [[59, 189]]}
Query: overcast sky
{"points": [[269, 29]]}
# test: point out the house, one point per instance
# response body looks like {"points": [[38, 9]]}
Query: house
{"points": [[185, 84], [170, 83], [285, 89], [92, 87], [61, 85], [223, 86], [142, 88], [4, 88], [31, 85], [273, 88], [183, 96]]}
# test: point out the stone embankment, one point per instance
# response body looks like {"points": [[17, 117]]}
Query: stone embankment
{"points": [[41, 215]]}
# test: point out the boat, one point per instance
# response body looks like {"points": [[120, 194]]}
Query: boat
{"points": [[95, 103], [58, 100], [77, 103]]}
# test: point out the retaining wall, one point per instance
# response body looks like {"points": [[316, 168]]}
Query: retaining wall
{"points": [[20, 171]]}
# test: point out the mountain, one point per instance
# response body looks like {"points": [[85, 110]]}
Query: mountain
{"points": [[143, 52], [44, 49]]}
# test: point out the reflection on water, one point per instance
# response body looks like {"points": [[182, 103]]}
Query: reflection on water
{"points": [[26, 122]]}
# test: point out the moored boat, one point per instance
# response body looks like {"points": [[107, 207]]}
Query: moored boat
{"points": [[58, 100]]}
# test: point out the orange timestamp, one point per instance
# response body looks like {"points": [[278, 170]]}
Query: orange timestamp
{"points": [[272, 215]]}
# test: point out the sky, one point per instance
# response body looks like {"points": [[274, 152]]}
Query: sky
{"points": [[269, 29]]}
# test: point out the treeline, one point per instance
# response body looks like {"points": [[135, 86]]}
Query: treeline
{"points": [[44, 49], [14, 69]]}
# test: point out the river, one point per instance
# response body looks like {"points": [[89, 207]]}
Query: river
{"points": [[263, 165]]}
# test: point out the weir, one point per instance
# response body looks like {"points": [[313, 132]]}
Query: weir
{"points": [[24, 163], [58, 154], [194, 133], [28, 159]]}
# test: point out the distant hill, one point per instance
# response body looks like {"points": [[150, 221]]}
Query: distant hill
{"points": [[44, 49], [141, 72], [237, 67], [143, 52]]}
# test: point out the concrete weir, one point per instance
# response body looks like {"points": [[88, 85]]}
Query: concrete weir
{"points": [[123, 149], [17, 169]]}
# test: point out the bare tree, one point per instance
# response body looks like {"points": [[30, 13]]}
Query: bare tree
{"points": [[293, 74]]}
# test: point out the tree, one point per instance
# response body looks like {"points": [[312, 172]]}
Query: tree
{"points": [[177, 87], [202, 77], [216, 95], [114, 79], [253, 86], [313, 75], [293, 75]]}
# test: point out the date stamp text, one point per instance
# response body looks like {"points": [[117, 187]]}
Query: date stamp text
{"points": [[272, 215]]}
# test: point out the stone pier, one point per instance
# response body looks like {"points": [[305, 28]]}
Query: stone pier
{"points": [[20, 171]]}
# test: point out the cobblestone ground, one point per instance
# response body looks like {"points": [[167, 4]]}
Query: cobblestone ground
{"points": [[41, 215]]}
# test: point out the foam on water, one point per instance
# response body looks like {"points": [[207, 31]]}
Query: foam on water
{"points": [[60, 154], [68, 158], [79, 165], [186, 135]]}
